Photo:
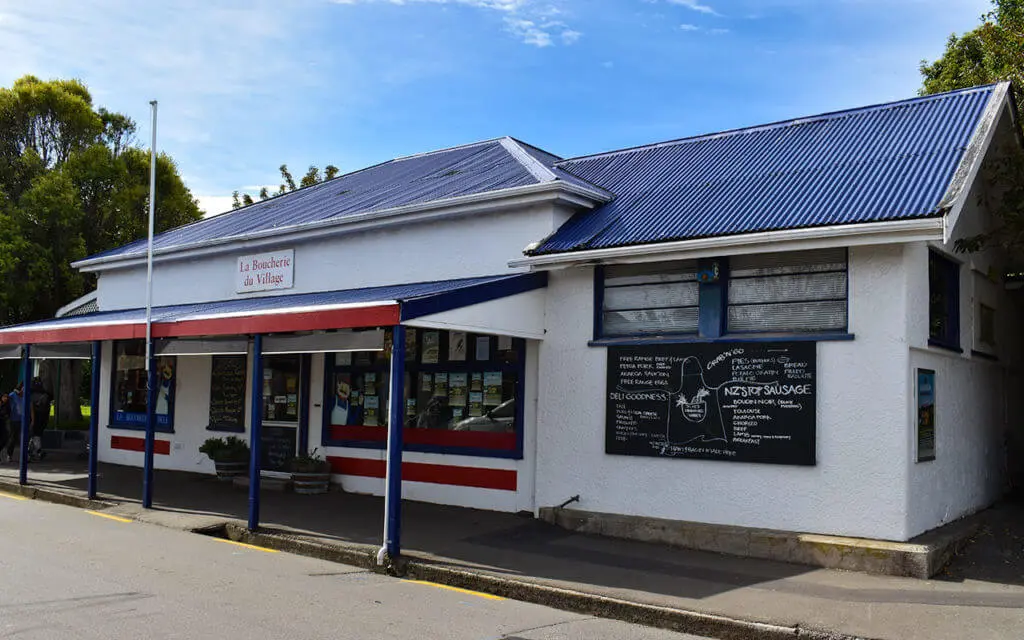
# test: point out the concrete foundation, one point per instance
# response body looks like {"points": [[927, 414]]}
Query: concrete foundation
{"points": [[921, 558]]}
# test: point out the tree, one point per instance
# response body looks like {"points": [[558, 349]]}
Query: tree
{"points": [[992, 52], [73, 183], [311, 178]]}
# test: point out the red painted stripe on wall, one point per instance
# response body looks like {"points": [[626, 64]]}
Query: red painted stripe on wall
{"points": [[437, 437], [501, 479], [128, 443]]}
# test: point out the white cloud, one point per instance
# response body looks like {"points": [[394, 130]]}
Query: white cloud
{"points": [[689, 27], [212, 205], [696, 6], [570, 36], [531, 21]]}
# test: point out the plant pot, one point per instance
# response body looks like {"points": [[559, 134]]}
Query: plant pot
{"points": [[311, 483], [228, 470]]}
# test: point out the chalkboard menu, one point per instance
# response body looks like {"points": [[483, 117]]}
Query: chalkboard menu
{"points": [[277, 447], [227, 394], [749, 402]]}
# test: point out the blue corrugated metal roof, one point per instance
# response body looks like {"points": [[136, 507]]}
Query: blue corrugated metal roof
{"points": [[886, 162], [491, 286], [430, 177]]}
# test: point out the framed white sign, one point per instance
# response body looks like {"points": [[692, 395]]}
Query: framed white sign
{"points": [[265, 271]]}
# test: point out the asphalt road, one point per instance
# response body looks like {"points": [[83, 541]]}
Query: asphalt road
{"points": [[68, 573]]}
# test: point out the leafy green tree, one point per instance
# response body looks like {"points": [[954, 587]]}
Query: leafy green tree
{"points": [[992, 52], [73, 182], [312, 177]]}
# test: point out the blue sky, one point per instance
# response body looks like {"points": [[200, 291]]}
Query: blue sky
{"points": [[246, 85]]}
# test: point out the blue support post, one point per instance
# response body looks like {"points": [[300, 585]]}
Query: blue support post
{"points": [[94, 419], [393, 482], [26, 415], [147, 461], [255, 432]]}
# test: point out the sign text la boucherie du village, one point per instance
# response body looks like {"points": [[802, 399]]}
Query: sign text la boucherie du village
{"points": [[265, 271]]}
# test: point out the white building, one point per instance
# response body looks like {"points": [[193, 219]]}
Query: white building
{"points": [[767, 327]]}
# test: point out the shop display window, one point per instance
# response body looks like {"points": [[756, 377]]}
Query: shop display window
{"points": [[460, 392], [129, 388], [281, 388]]}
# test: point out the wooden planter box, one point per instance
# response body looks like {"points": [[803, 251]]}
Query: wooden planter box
{"points": [[228, 470], [311, 483]]}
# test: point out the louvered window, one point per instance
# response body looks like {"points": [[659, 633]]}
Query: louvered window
{"points": [[788, 292], [650, 299]]}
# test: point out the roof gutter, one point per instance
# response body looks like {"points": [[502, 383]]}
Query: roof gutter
{"points": [[554, 191], [869, 233]]}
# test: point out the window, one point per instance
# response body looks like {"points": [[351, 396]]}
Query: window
{"points": [[650, 299], [130, 384], [460, 393], [986, 325], [788, 292], [796, 292], [944, 302], [281, 388]]}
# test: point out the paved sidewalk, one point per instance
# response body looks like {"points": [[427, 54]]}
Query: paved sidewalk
{"points": [[983, 600]]}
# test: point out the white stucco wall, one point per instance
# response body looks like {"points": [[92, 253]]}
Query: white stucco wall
{"points": [[976, 397], [858, 487], [463, 247]]}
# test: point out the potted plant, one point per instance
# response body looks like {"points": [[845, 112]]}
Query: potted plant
{"points": [[230, 456], [310, 473]]}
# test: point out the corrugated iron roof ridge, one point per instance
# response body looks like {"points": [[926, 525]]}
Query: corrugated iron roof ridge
{"points": [[780, 123], [458, 147], [540, 171]]}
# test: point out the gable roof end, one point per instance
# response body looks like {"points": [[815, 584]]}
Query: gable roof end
{"points": [[832, 173]]}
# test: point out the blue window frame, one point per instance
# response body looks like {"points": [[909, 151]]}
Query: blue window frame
{"points": [[796, 294], [463, 395], [943, 302], [128, 395]]}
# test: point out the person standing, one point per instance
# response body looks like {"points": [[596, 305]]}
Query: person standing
{"points": [[40, 418], [14, 426]]}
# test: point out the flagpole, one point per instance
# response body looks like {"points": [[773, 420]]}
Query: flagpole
{"points": [[151, 381]]}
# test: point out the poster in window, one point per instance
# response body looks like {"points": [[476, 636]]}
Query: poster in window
{"points": [[440, 385], [370, 384], [483, 348], [476, 382], [492, 388], [457, 390], [431, 347], [427, 382], [346, 408], [457, 346], [343, 359], [504, 343], [925, 415], [372, 418], [362, 358], [476, 404], [410, 407], [410, 344], [293, 404]]}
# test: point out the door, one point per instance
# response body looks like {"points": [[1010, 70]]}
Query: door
{"points": [[282, 399]]}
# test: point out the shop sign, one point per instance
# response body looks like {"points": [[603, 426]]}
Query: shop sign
{"points": [[925, 415], [265, 271], [741, 402]]}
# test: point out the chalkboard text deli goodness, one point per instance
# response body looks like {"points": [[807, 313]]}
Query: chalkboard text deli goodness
{"points": [[598, 328]]}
